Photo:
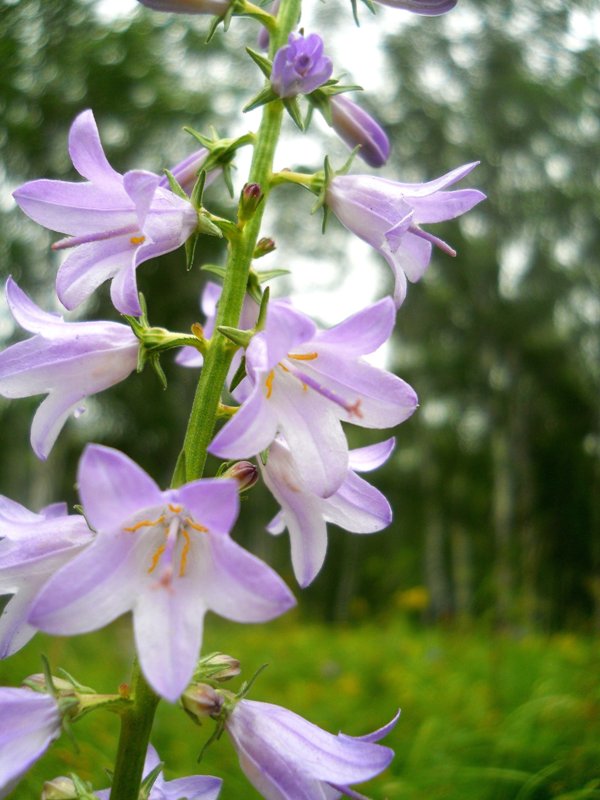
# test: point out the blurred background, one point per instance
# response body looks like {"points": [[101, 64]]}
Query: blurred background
{"points": [[477, 611]]}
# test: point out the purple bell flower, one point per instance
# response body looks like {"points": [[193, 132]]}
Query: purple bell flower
{"points": [[355, 127], [32, 548], [114, 222], [430, 8], [299, 67], [165, 556], [67, 360], [218, 7], [30, 723], [388, 216], [286, 758], [356, 506]]}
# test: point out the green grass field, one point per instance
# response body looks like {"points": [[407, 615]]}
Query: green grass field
{"points": [[483, 717]]}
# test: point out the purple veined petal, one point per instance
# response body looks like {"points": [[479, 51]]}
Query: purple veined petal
{"points": [[445, 205], [14, 513], [195, 787], [168, 624], [249, 431], [141, 186], [358, 507], [213, 503], [189, 357], [123, 290], [277, 525], [54, 510], [412, 190], [86, 150], [49, 420], [362, 332], [27, 314], [287, 328], [237, 585], [380, 733], [365, 459], [358, 128], [15, 631], [411, 258], [113, 488], [97, 586], [186, 172]]}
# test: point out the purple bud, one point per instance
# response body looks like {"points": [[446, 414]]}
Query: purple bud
{"points": [[299, 67], [263, 247], [245, 473], [430, 8], [201, 700], [218, 7], [250, 199], [356, 127]]}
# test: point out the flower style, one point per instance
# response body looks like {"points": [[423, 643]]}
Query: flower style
{"points": [[356, 506], [32, 547], [196, 787], [287, 758], [30, 723], [115, 222], [302, 383], [431, 8], [165, 556], [355, 127], [299, 67], [67, 360], [388, 216], [218, 7]]}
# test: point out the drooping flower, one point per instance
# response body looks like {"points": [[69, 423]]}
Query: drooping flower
{"points": [[285, 757], [356, 506], [388, 216], [165, 556], [356, 127], [303, 382], [30, 723], [299, 67], [217, 7], [431, 8], [114, 222], [196, 787], [32, 547], [67, 360]]}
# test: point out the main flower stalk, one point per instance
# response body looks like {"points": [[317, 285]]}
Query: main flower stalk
{"points": [[136, 724]]}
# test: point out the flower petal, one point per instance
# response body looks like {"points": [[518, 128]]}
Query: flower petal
{"points": [[249, 431], [365, 459], [27, 314], [358, 507], [49, 419], [362, 332], [213, 503], [86, 150]]}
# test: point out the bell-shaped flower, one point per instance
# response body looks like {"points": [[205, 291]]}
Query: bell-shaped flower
{"points": [[32, 547], [287, 758], [302, 383], [69, 361], [30, 723], [165, 556], [389, 215], [356, 127], [299, 67], [114, 222], [196, 787], [430, 8], [356, 506], [217, 7]]}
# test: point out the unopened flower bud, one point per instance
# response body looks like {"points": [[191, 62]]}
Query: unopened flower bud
{"points": [[38, 683], [263, 247], [355, 127], [244, 472], [250, 199], [299, 67], [59, 789], [218, 7], [218, 666], [201, 700]]}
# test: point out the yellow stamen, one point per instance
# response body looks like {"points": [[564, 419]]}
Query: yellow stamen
{"points": [[184, 552], [156, 558], [137, 240], [304, 387], [196, 526], [269, 383], [283, 367], [175, 509], [303, 356], [145, 523]]}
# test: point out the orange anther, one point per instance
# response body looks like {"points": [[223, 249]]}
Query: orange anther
{"points": [[175, 509], [195, 525], [269, 383], [137, 240], [303, 356], [184, 553], [145, 523], [156, 558]]}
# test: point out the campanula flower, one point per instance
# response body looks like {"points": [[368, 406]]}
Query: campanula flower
{"points": [[217, 7], [69, 361], [32, 547], [302, 382], [299, 67], [114, 222], [287, 758], [356, 506], [30, 723], [389, 215], [165, 556], [196, 787], [356, 127], [431, 8]]}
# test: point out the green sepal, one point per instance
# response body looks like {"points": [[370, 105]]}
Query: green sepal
{"points": [[368, 4], [293, 109], [262, 62], [79, 687], [207, 226], [262, 311], [175, 186], [190, 250], [215, 269], [319, 99], [239, 376], [266, 95], [149, 782], [83, 788], [154, 361], [216, 21], [239, 337], [253, 287], [268, 274], [198, 190]]}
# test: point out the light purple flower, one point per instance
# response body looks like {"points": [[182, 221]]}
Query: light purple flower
{"points": [[287, 758], [32, 547], [114, 222], [431, 8], [67, 360], [264, 38], [186, 172], [218, 7], [303, 382], [388, 215], [355, 127], [30, 723], [356, 506], [196, 787], [299, 67], [166, 557]]}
